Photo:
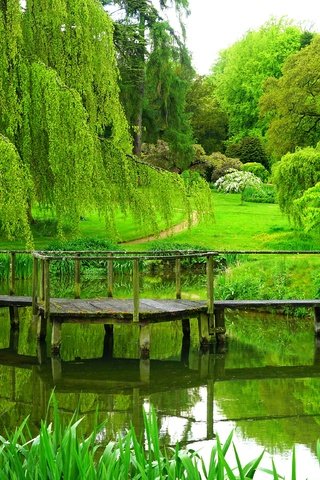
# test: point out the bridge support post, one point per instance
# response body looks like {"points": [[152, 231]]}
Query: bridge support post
{"points": [[317, 321], [220, 326], [41, 327], [144, 341], [144, 367], [56, 337], [186, 327], [14, 340], [108, 341], [56, 368], [203, 325], [14, 318]]}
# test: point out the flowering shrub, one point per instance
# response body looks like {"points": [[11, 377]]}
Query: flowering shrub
{"points": [[235, 181]]}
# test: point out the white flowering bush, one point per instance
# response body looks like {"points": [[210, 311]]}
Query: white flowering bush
{"points": [[235, 181]]}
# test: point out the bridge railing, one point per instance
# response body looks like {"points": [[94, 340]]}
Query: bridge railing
{"points": [[42, 261], [12, 254]]}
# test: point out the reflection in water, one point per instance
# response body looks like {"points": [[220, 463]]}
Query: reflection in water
{"points": [[266, 386]]}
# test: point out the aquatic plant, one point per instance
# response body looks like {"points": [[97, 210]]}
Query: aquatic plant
{"points": [[61, 452]]}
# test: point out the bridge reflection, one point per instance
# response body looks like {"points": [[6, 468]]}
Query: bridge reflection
{"points": [[122, 387]]}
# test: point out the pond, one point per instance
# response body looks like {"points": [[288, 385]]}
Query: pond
{"points": [[265, 385]]}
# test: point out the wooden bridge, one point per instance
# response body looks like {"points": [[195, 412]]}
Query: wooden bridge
{"points": [[139, 312]]}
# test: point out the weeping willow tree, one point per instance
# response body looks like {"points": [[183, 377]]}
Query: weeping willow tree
{"points": [[64, 138]]}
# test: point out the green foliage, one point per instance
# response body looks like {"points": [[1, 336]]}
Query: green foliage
{"points": [[221, 164], [291, 103], [292, 176], [208, 120], [242, 69], [155, 74], [15, 189], [259, 194], [257, 169], [309, 208], [60, 109], [82, 244], [236, 181], [168, 73], [214, 166], [23, 266], [60, 451], [248, 150]]}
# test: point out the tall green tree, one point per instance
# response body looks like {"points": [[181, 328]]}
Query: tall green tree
{"points": [[208, 120], [155, 72], [63, 131], [291, 103], [242, 69]]}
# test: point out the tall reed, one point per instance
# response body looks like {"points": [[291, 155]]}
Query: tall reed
{"points": [[61, 452]]}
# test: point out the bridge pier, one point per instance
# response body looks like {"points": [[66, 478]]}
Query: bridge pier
{"points": [[144, 341], [108, 341], [41, 327], [220, 326], [14, 318], [56, 337], [204, 336]]}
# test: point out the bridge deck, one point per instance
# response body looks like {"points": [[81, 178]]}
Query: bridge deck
{"points": [[156, 310], [65, 310], [123, 308]]}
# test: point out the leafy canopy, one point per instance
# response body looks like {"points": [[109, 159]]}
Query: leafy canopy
{"points": [[293, 176], [63, 133], [291, 103], [242, 69]]}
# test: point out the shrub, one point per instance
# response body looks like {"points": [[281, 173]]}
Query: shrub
{"points": [[214, 166], [236, 181], [259, 194], [293, 176], [222, 164], [249, 149], [257, 169]]}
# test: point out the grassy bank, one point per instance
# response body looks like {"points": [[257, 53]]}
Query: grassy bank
{"points": [[250, 226], [60, 451]]}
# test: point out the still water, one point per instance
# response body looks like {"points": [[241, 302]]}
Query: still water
{"points": [[265, 386]]}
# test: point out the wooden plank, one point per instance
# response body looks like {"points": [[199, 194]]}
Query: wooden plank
{"points": [[15, 301], [115, 305]]}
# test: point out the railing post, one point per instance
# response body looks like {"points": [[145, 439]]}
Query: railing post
{"points": [[35, 281], [43, 319], [210, 293], [136, 290], [12, 273], [41, 282], [77, 286], [178, 278], [110, 277], [46, 267]]}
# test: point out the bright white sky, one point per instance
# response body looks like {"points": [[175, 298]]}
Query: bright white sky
{"points": [[216, 24]]}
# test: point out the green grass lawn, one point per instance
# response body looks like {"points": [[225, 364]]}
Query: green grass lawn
{"points": [[91, 226], [246, 226], [235, 226]]}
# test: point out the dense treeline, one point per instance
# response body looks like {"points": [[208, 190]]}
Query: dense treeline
{"points": [[265, 90]]}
